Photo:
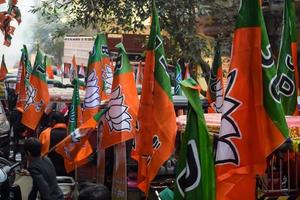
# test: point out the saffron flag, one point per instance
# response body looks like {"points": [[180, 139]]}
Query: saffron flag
{"points": [[73, 70], [178, 79], [287, 74], [195, 177], [82, 71], [253, 123], [24, 73], [75, 148], [120, 119], [157, 120], [49, 68], [3, 69], [94, 84], [215, 85], [37, 94]]}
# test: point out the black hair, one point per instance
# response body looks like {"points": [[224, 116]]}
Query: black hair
{"points": [[33, 146], [56, 117]]}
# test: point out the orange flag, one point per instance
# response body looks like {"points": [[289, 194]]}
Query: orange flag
{"points": [[49, 68], [155, 140], [23, 77], [75, 148], [3, 69], [253, 124], [37, 94], [120, 119], [99, 78]]}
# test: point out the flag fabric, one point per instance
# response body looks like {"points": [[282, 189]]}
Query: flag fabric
{"points": [[157, 120], [24, 73], [75, 113], [178, 79], [195, 177], [139, 74], [73, 70], [59, 70], [94, 84], [82, 71], [215, 85], [49, 68], [3, 69], [287, 73], [75, 148], [253, 123], [66, 70], [37, 94], [187, 71], [120, 119]]}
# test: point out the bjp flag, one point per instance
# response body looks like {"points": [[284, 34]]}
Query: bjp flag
{"points": [[24, 73], [37, 94], [120, 119], [287, 63], [3, 69], [75, 148], [95, 83], [155, 139], [253, 124], [49, 68]]}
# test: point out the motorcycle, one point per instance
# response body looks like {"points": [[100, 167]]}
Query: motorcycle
{"points": [[8, 190]]}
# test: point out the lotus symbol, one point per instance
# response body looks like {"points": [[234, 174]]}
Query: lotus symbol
{"points": [[92, 97], [117, 116], [30, 93]]}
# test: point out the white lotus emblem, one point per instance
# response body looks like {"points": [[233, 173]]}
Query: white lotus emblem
{"points": [[117, 116], [107, 77], [92, 97], [30, 93]]}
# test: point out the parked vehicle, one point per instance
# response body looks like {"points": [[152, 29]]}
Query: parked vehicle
{"points": [[8, 190]]}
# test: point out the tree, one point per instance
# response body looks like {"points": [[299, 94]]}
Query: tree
{"points": [[179, 20]]}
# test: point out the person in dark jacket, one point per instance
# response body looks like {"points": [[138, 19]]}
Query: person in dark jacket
{"points": [[42, 172], [51, 137]]}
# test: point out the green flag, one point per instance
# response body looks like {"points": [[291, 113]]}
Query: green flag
{"points": [[195, 175], [287, 73], [75, 116], [178, 79]]}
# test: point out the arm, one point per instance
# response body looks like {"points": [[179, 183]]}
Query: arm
{"points": [[40, 185]]}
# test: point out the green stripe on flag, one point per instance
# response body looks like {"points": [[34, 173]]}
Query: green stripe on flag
{"points": [[122, 64], [39, 68], [156, 44]]}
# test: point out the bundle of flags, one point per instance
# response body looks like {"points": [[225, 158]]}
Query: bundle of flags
{"points": [[253, 110], [13, 13]]}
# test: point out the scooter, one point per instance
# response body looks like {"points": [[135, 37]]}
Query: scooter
{"points": [[9, 191]]}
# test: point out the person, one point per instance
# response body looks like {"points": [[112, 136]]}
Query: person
{"points": [[51, 137], [42, 172]]}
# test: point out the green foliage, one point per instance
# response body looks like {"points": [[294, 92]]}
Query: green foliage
{"points": [[178, 18]]}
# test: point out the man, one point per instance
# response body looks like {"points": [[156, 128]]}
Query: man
{"points": [[42, 172], [52, 136]]}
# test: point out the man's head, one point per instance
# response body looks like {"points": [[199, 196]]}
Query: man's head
{"points": [[32, 147], [56, 117]]}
